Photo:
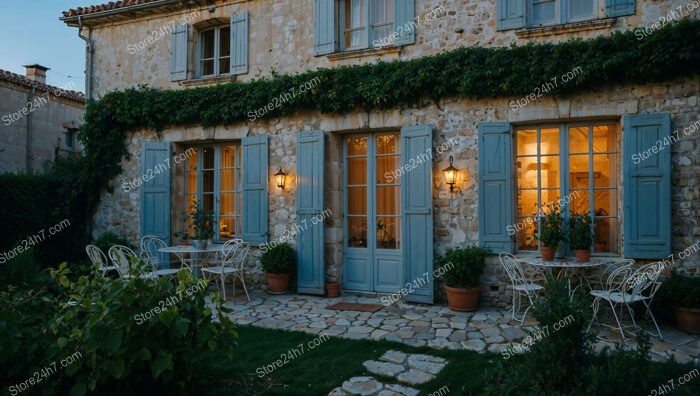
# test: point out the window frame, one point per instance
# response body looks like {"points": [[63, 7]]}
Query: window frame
{"points": [[238, 185], [368, 27], [69, 138], [564, 154], [217, 52], [562, 10]]}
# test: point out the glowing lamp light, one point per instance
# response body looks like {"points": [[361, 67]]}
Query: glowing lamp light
{"points": [[279, 177]]}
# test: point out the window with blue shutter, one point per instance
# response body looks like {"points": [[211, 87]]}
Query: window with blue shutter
{"points": [[239, 43], [647, 186], [417, 213], [255, 171], [155, 191], [510, 14], [325, 41], [614, 8], [495, 186], [309, 202], [178, 53]]}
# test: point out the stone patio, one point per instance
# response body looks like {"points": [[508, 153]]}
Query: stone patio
{"points": [[434, 326]]}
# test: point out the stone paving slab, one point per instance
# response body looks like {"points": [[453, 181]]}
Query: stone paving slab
{"points": [[435, 326]]}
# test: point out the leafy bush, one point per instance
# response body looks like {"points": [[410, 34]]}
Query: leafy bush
{"points": [[109, 239], [279, 259], [581, 231], [21, 269], [677, 291], [133, 336], [550, 232], [463, 267]]}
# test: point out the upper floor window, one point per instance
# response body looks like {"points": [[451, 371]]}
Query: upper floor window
{"points": [[365, 21], [552, 12], [215, 51], [70, 138]]}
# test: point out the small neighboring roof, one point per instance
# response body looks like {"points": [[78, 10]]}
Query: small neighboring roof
{"points": [[18, 79]]}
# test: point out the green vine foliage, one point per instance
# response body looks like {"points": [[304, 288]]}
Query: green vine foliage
{"points": [[670, 52]]}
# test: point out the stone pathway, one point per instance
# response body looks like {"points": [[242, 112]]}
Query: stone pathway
{"points": [[410, 369], [421, 325]]}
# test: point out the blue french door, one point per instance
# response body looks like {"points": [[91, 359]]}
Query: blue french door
{"points": [[372, 259]]}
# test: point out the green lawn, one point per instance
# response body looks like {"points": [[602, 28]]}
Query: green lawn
{"points": [[319, 370]]}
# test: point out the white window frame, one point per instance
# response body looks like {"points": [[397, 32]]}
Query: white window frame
{"points": [[217, 52], [561, 14], [369, 27]]}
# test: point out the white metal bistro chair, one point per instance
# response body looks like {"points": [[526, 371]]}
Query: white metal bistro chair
{"points": [[97, 256], [521, 284], [149, 253], [636, 286], [122, 257], [226, 249], [602, 278], [233, 259]]}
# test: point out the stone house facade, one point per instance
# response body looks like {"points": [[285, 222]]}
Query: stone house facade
{"points": [[385, 167], [39, 121]]}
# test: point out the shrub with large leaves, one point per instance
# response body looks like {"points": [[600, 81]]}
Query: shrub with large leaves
{"points": [[106, 322]]}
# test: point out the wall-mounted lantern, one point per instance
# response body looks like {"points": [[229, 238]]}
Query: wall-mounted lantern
{"points": [[279, 177], [451, 175]]}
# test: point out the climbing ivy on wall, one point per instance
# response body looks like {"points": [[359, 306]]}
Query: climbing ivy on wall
{"points": [[620, 58]]}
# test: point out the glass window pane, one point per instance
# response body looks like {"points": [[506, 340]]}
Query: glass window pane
{"points": [[224, 66], [581, 9], [208, 181], [527, 172], [542, 11], [208, 157], [580, 201], [604, 138], [550, 196], [357, 200], [192, 160], [526, 142], [207, 44], [226, 204], [357, 231], [208, 202], [388, 200], [605, 170], [208, 67], [527, 203], [357, 170], [357, 145], [578, 171], [526, 229], [388, 233], [225, 42], [356, 12], [228, 156], [227, 180], [606, 235], [578, 139], [191, 182], [549, 141], [388, 169], [387, 144], [605, 202], [227, 227], [549, 172]]}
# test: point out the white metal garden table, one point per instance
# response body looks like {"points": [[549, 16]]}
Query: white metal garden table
{"points": [[565, 267], [197, 256]]}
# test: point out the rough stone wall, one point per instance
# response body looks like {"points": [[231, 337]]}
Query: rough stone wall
{"points": [[281, 37], [49, 119]]}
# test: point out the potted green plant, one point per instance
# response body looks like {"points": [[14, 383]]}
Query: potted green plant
{"points": [[332, 286], [550, 231], [682, 294], [279, 262], [201, 223], [581, 236], [461, 270]]}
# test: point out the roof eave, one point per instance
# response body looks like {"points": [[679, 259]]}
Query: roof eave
{"points": [[73, 19]]}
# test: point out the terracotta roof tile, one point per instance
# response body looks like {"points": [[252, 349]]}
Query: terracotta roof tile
{"points": [[112, 5], [24, 81]]}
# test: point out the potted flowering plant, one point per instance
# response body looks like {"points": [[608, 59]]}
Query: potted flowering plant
{"points": [[581, 236], [550, 231], [462, 270], [279, 262], [201, 223]]}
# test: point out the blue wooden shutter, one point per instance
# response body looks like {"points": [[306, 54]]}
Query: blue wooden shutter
{"points": [[311, 268], [647, 186], [417, 210], [614, 8], [254, 189], [178, 53], [239, 43], [404, 18], [510, 14], [155, 192], [325, 41], [495, 186]]}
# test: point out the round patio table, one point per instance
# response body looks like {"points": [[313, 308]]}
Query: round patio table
{"points": [[566, 267], [196, 255]]}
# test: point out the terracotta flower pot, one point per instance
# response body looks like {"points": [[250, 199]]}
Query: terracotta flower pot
{"points": [[547, 253], [459, 299], [583, 255], [333, 289], [688, 319], [278, 283]]}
